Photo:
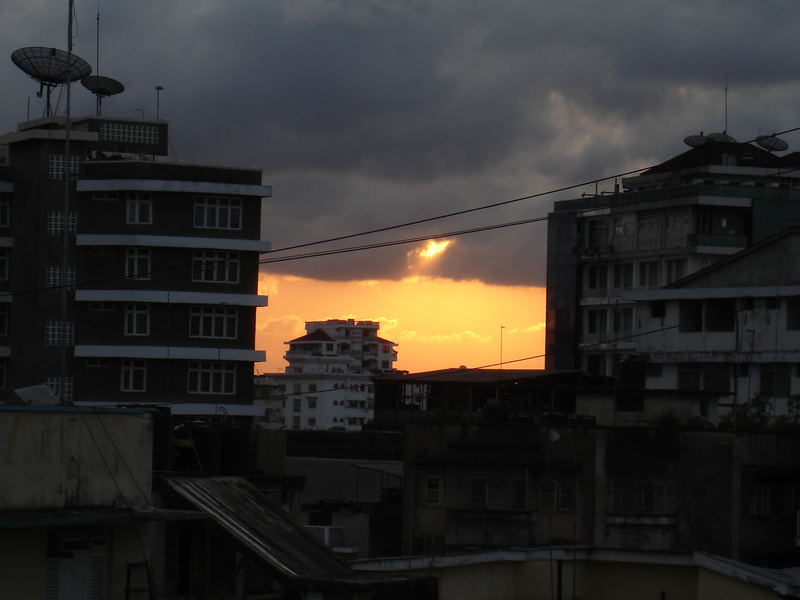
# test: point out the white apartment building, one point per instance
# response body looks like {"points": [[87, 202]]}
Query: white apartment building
{"points": [[328, 382]]}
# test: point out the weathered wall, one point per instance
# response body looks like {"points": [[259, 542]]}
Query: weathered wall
{"points": [[73, 457]]}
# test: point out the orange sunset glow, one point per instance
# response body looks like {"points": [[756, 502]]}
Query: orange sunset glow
{"points": [[437, 323]]}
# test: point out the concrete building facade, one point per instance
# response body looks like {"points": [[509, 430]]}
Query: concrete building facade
{"points": [[147, 289], [607, 253]]}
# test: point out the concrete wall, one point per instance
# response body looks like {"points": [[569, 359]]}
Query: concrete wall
{"points": [[71, 457]]}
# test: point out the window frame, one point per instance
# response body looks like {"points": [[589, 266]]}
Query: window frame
{"points": [[218, 212], [211, 378], [138, 209], [138, 263], [133, 375], [208, 267], [213, 322], [137, 319]]}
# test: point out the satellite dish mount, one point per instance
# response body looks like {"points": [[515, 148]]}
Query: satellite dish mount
{"points": [[51, 68]]}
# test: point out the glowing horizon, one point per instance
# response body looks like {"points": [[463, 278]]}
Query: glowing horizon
{"points": [[437, 323]]}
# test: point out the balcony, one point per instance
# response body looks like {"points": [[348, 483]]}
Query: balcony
{"points": [[727, 243]]}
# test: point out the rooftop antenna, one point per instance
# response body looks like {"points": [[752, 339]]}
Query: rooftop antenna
{"points": [[100, 86], [725, 128], [51, 68]]}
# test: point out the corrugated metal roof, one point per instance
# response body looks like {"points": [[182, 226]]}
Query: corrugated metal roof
{"points": [[265, 528]]}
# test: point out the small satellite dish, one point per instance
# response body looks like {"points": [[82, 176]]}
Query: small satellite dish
{"points": [[102, 87], [771, 143], [721, 137], [695, 140], [50, 67]]}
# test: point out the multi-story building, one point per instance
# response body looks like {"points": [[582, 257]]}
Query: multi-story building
{"points": [[152, 293], [609, 253], [328, 382]]}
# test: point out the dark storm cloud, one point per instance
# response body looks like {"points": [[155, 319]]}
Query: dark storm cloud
{"points": [[364, 114]]}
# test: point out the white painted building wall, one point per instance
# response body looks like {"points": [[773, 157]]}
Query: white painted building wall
{"points": [[328, 382]]}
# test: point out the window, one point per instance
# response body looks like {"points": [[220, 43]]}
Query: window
{"points": [[215, 266], [623, 275], [649, 274], [623, 320], [296, 388], [137, 319], [53, 277], [3, 373], [105, 196], [793, 313], [775, 379], [5, 263], [139, 209], [297, 405], [312, 403], [295, 422], [479, 493], [95, 363], [658, 309], [596, 364], [133, 375], [101, 306], [597, 277], [557, 495], [4, 310], [55, 222], [137, 263], [691, 315], [212, 378], [213, 322], [676, 269], [312, 421], [312, 387], [5, 210], [433, 490], [218, 213], [59, 333], [57, 162], [596, 321], [134, 133], [597, 233], [720, 315], [712, 377], [518, 494]]}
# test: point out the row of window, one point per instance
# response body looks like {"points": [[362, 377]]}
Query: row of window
{"points": [[216, 322], [648, 274], [210, 266], [510, 494], [202, 377], [210, 212], [714, 315]]}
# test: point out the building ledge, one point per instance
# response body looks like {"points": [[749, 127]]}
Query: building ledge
{"points": [[170, 297], [169, 352], [172, 241]]}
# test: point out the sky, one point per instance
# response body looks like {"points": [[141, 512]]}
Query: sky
{"points": [[373, 113]]}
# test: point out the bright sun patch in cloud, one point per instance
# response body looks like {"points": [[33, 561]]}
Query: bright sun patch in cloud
{"points": [[433, 248]]}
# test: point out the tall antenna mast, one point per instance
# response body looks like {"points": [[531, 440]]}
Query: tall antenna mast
{"points": [[725, 129], [101, 86]]}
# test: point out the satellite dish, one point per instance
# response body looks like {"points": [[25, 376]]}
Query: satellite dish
{"points": [[721, 137], [102, 87], [695, 140], [771, 143], [50, 67]]}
